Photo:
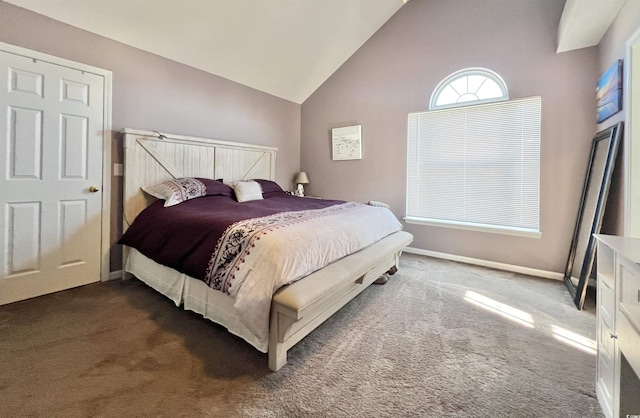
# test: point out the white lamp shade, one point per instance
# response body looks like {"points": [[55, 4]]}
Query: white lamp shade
{"points": [[301, 178]]}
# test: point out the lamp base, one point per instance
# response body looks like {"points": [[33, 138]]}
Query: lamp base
{"points": [[300, 190]]}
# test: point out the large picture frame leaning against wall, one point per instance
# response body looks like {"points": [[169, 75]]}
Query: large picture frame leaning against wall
{"points": [[604, 150]]}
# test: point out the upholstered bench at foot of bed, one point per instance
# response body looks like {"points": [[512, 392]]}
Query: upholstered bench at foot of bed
{"points": [[297, 309]]}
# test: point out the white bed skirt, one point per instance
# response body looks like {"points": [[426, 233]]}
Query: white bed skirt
{"points": [[193, 294]]}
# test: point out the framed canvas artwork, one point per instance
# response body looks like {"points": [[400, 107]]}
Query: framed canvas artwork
{"points": [[609, 92]]}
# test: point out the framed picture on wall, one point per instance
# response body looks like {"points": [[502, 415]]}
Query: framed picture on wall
{"points": [[609, 92], [346, 143]]}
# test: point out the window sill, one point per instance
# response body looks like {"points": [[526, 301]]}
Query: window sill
{"points": [[494, 229]]}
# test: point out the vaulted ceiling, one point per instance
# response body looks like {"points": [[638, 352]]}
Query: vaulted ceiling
{"points": [[287, 48]]}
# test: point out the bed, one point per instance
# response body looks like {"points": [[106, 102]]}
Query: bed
{"points": [[301, 295]]}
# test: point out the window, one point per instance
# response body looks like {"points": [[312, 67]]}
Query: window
{"points": [[475, 166], [477, 85]]}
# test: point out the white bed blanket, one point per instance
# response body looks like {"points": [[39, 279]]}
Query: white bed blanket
{"points": [[256, 257]]}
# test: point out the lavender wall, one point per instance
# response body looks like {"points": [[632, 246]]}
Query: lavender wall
{"points": [[151, 92], [611, 48], [395, 72]]}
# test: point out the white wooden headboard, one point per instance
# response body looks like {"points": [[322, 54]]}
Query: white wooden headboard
{"points": [[151, 158]]}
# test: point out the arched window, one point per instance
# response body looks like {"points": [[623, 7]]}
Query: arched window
{"points": [[477, 85]]}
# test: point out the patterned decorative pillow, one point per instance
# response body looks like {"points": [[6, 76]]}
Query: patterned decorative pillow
{"points": [[247, 190], [177, 191]]}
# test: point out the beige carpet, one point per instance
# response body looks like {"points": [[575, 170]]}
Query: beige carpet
{"points": [[413, 347]]}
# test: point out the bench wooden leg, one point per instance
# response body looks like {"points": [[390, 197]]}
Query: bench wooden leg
{"points": [[277, 357], [277, 351]]}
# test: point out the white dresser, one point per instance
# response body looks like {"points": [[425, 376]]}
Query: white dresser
{"points": [[618, 325]]}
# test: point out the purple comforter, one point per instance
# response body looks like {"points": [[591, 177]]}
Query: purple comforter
{"points": [[185, 236]]}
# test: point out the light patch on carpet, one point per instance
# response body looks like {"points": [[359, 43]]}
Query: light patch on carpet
{"points": [[500, 308], [525, 319], [575, 340]]}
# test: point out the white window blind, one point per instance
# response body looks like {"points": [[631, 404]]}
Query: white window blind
{"points": [[476, 165]]}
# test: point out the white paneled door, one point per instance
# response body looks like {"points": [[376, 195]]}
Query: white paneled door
{"points": [[51, 155]]}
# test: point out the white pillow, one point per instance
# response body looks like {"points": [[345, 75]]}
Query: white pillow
{"points": [[177, 191], [247, 190]]}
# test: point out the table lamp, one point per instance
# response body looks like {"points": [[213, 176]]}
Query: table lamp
{"points": [[301, 178]]}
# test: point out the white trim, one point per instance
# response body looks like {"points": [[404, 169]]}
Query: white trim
{"points": [[153, 135], [425, 130], [469, 226], [106, 140], [52, 59], [465, 72], [545, 274], [114, 275], [106, 176], [631, 151]]}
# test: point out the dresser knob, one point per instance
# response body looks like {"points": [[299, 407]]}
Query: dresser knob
{"points": [[614, 336]]}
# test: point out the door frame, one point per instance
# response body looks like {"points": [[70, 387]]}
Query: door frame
{"points": [[107, 77], [632, 137]]}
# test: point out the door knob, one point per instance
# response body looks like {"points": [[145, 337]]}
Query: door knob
{"points": [[94, 189]]}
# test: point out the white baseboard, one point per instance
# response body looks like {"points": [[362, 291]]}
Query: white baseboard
{"points": [[486, 263], [115, 275]]}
